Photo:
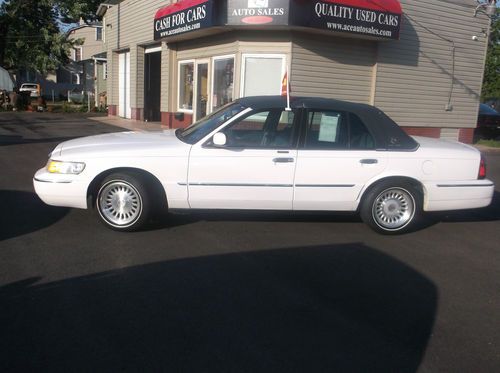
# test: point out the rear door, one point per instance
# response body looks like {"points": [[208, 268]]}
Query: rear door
{"points": [[335, 160]]}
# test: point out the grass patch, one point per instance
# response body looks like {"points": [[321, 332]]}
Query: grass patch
{"points": [[489, 143]]}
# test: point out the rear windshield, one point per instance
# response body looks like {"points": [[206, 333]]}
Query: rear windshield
{"points": [[29, 86]]}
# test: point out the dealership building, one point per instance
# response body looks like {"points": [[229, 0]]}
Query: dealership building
{"points": [[420, 61]]}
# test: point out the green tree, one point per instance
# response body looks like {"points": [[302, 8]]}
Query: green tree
{"points": [[491, 83], [31, 32]]}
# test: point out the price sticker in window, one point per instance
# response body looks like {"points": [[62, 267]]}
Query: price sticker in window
{"points": [[328, 129]]}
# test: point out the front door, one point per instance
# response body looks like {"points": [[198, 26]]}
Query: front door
{"points": [[254, 170], [201, 99], [152, 86], [124, 109]]}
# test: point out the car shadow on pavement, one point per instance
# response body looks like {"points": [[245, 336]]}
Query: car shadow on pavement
{"points": [[304, 309], [24, 212], [179, 218]]}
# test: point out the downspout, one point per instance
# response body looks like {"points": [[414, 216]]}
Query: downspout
{"points": [[95, 81], [118, 27]]}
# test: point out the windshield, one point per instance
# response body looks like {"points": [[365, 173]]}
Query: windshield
{"points": [[204, 126]]}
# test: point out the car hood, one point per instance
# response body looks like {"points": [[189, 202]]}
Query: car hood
{"points": [[148, 144]]}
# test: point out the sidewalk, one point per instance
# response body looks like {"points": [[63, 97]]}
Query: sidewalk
{"points": [[132, 125]]}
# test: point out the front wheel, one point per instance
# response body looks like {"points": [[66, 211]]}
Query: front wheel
{"points": [[392, 208], [122, 202]]}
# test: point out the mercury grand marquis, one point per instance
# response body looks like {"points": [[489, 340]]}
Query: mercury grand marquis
{"points": [[257, 153]]}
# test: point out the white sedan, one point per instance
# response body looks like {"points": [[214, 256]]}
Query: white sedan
{"points": [[255, 153]]}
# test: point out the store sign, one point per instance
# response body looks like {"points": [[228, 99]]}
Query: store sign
{"points": [[257, 12], [182, 17], [376, 18], [350, 16]]}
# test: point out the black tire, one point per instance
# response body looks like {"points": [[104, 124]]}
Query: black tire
{"points": [[392, 207], [123, 203]]}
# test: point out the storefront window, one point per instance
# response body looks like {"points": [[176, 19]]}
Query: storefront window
{"points": [[262, 75], [222, 81], [186, 70]]}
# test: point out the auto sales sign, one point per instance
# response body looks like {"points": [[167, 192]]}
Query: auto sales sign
{"points": [[258, 12]]}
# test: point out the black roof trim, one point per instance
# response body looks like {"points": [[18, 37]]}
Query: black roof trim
{"points": [[387, 134]]}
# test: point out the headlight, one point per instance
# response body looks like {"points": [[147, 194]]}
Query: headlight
{"points": [[58, 167]]}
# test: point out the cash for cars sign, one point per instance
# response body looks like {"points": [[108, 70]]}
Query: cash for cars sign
{"points": [[182, 17], [377, 18]]}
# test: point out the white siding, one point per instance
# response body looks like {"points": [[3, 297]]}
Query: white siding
{"points": [[165, 77], [332, 67], [415, 74]]}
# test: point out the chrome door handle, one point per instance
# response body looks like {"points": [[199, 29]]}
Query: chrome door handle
{"points": [[283, 160], [368, 161]]}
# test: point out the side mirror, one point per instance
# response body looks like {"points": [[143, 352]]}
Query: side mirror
{"points": [[219, 139]]}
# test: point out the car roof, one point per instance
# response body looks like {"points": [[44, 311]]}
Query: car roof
{"points": [[387, 134], [262, 102]]}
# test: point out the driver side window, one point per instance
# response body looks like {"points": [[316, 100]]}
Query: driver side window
{"points": [[263, 129]]}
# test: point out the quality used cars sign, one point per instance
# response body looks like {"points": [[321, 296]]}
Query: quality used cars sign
{"points": [[378, 19]]}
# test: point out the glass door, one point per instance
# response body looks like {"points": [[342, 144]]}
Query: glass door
{"points": [[201, 98]]}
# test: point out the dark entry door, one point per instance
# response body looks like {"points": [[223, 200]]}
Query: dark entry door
{"points": [[152, 86]]}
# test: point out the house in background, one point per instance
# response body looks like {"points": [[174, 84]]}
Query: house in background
{"points": [[86, 73], [87, 70], [6, 82]]}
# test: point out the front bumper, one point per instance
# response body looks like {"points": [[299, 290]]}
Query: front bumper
{"points": [[61, 190]]}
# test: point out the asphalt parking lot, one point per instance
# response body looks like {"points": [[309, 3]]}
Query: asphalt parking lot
{"points": [[236, 292]]}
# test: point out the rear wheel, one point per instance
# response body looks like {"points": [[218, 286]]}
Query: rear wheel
{"points": [[392, 207], [122, 202]]}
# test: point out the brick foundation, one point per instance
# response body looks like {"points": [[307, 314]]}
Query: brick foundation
{"points": [[466, 135], [112, 110], [168, 120], [423, 131], [137, 114]]}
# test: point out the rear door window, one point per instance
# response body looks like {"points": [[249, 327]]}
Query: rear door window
{"points": [[326, 130], [336, 130]]}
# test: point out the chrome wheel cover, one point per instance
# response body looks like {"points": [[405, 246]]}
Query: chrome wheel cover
{"points": [[393, 209], [119, 203]]}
